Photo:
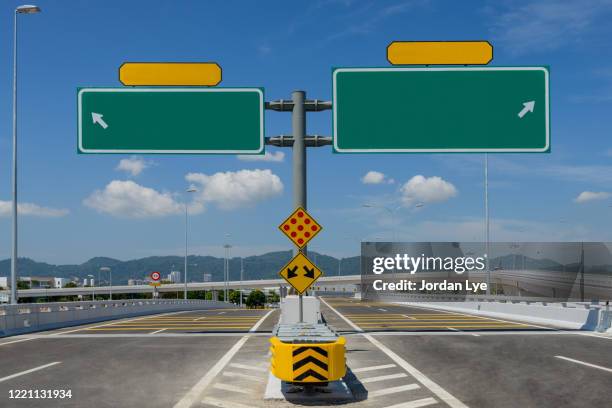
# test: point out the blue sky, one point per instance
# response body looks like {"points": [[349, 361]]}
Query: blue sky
{"points": [[86, 205]]}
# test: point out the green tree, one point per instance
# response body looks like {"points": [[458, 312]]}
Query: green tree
{"points": [[273, 297], [70, 285], [23, 285], [256, 299]]}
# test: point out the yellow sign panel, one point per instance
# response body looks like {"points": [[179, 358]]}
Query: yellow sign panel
{"points": [[440, 52], [300, 273], [170, 73], [300, 227], [308, 363]]}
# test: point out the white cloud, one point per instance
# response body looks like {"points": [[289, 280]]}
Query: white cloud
{"points": [[376, 177], [547, 24], [268, 157], [134, 165], [231, 190], [427, 190], [131, 200], [31, 209], [587, 196]]}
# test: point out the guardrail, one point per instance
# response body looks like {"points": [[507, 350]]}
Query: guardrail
{"points": [[32, 317]]}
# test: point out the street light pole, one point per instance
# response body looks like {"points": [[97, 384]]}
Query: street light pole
{"points": [[189, 190], [93, 288], [25, 9], [241, 277], [110, 288]]}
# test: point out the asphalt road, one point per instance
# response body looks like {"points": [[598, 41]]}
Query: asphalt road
{"points": [[487, 363], [152, 361], [398, 357]]}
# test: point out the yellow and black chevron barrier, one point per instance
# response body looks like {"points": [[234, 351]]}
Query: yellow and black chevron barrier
{"points": [[308, 362]]}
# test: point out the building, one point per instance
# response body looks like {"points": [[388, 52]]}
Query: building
{"points": [[59, 282], [136, 282], [207, 277], [174, 277], [4, 282], [38, 282]]}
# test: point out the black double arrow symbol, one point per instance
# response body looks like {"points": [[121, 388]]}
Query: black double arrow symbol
{"points": [[292, 272]]}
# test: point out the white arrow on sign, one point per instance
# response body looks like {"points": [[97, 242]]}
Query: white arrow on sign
{"points": [[97, 118], [527, 107]]}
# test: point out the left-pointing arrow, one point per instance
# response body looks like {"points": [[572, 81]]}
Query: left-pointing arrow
{"points": [[97, 118]]}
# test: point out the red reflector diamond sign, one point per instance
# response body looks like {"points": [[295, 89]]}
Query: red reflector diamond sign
{"points": [[300, 227]]}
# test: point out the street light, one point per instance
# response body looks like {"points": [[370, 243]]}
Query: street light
{"points": [[110, 290], [93, 288], [226, 271], [189, 190], [25, 9]]}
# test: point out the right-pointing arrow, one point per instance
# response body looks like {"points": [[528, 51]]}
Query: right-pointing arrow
{"points": [[527, 107], [97, 118]]}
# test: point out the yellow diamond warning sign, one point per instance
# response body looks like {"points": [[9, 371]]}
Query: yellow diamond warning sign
{"points": [[300, 273], [300, 227]]}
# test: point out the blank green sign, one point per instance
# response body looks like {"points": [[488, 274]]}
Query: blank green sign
{"points": [[170, 120], [441, 110]]}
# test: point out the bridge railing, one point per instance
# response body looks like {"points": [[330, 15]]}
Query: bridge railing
{"points": [[31, 317]]}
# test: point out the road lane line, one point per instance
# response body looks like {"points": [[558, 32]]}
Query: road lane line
{"points": [[422, 378], [350, 323], [383, 378], [221, 313], [423, 402], [194, 393], [248, 367], [393, 390], [119, 321], [585, 363], [157, 331], [17, 341], [365, 369], [254, 328], [383, 310], [410, 317], [232, 388], [461, 331], [234, 374], [223, 404], [31, 370]]}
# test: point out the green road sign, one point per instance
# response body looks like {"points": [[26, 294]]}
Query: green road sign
{"points": [[170, 120], [441, 110]]}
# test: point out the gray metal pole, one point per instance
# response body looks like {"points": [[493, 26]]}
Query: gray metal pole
{"points": [[298, 125], [185, 268], [110, 295], [486, 194], [14, 204], [241, 277]]}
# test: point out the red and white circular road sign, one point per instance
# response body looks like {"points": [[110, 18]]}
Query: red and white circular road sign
{"points": [[155, 276]]}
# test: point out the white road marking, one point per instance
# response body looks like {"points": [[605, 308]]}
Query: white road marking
{"points": [[393, 390], [372, 368], [194, 393], [383, 378], [17, 341], [119, 321], [199, 318], [585, 364], [383, 310], [223, 404], [31, 370], [248, 367], [254, 328], [422, 378], [423, 402], [410, 317], [461, 331], [234, 374], [232, 388], [157, 331], [476, 315], [220, 313], [350, 323]]}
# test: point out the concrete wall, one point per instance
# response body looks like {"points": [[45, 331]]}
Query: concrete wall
{"points": [[31, 317]]}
